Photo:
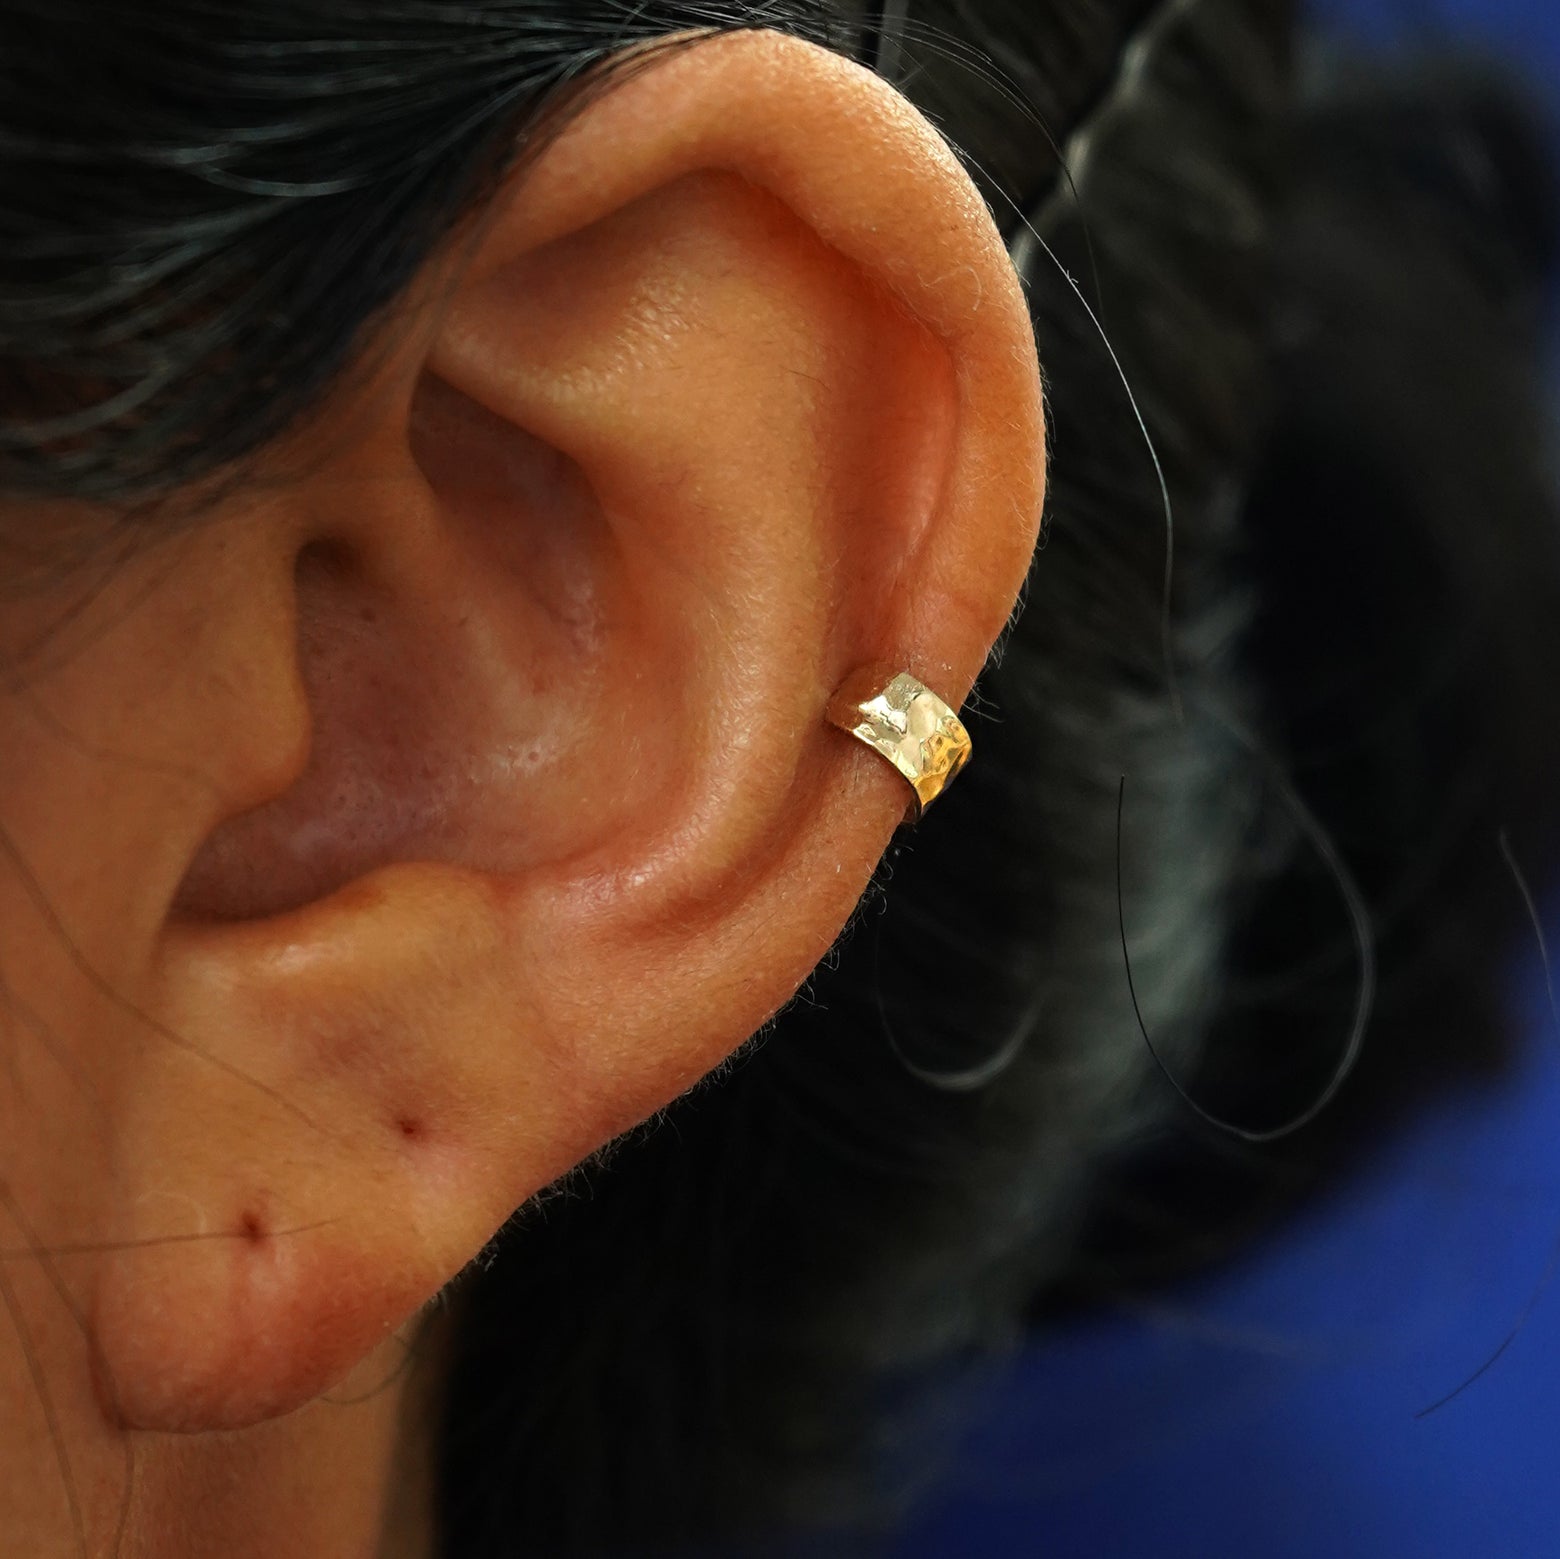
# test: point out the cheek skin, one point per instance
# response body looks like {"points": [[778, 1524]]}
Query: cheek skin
{"points": [[151, 705]]}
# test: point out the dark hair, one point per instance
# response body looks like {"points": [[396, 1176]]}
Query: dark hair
{"points": [[199, 234], [727, 1327]]}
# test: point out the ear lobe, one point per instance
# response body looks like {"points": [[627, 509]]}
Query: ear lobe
{"points": [[737, 393]]}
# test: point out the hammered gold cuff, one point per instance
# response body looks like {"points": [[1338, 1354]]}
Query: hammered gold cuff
{"points": [[902, 720]]}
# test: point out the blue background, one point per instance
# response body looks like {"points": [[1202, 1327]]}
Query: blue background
{"points": [[1269, 1409]]}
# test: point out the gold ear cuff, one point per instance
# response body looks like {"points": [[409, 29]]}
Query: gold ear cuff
{"points": [[901, 719]]}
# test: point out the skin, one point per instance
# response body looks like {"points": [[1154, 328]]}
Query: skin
{"points": [[457, 793]]}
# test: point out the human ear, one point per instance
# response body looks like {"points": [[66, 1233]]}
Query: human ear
{"points": [[529, 812]]}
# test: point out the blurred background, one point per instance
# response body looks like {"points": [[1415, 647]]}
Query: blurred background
{"points": [[1294, 1402]]}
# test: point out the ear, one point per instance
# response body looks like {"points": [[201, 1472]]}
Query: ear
{"points": [[734, 391]]}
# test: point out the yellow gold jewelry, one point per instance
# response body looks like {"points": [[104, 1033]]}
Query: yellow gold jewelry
{"points": [[904, 721]]}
